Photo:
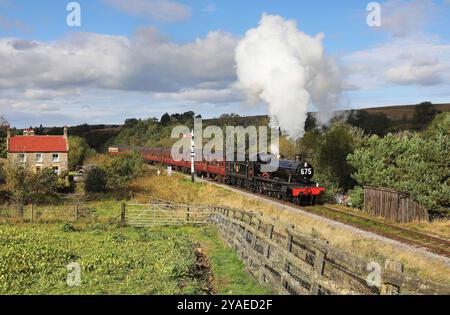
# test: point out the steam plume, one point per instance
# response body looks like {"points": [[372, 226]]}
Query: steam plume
{"points": [[279, 65]]}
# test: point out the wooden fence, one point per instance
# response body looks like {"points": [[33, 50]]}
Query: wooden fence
{"points": [[37, 213], [284, 259], [392, 205], [293, 263]]}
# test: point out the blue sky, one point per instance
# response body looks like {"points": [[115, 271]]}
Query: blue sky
{"points": [[104, 82]]}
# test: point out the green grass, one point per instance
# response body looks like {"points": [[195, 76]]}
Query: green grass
{"points": [[116, 260], [228, 269]]}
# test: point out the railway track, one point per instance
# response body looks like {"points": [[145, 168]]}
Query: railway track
{"points": [[431, 243]]}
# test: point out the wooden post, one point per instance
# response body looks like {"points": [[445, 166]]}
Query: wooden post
{"points": [[76, 212], [32, 212], [270, 229], [390, 288], [319, 264], [122, 215], [188, 213], [20, 210], [289, 238]]}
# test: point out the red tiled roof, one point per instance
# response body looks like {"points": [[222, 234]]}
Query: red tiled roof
{"points": [[37, 144]]}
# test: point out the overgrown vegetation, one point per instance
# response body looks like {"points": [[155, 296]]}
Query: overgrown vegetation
{"points": [[112, 261], [113, 172], [79, 152], [95, 181], [410, 162], [27, 187]]}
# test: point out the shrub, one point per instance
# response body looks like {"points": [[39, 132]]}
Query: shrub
{"points": [[95, 181], [25, 186], [68, 227], [356, 197]]}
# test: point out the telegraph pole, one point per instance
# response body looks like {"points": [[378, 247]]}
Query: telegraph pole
{"points": [[192, 156]]}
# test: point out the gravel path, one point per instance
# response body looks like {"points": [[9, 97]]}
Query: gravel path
{"points": [[365, 234]]}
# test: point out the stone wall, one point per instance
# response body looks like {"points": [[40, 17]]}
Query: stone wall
{"points": [[30, 159]]}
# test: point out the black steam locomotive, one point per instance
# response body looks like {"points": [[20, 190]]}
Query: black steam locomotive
{"points": [[274, 176]]}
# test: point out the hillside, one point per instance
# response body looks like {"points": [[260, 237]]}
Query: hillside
{"points": [[403, 112]]}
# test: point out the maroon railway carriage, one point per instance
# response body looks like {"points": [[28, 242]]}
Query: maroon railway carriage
{"points": [[291, 181]]}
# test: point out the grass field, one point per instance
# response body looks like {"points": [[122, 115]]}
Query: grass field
{"points": [[166, 260]]}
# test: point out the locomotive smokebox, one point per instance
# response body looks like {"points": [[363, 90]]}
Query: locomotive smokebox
{"points": [[298, 171]]}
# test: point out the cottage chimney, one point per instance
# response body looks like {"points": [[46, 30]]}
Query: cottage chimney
{"points": [[65, 137], [28, 132]]}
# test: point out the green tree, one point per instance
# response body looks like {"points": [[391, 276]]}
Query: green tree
{"points": [[165, 119], [440, 125], [96, 179], [311, 122], [424, 114], [407, 162], [25, 186], [3, 131], [337, 144], [122, 169], [376, 123], [79, 151]]}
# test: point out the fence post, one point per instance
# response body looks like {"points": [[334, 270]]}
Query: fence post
{"points": [[122, 215], [390, 288], [319, 264], [270, 228], [76, 212], [20, 210], [188, 213], [32, 212]]}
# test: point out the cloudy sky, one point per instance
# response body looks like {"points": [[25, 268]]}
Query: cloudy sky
{"points": [[142, 58]]}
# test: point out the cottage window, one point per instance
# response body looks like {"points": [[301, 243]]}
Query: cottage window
{"points": [[55, 169], [22, 158], [38, 157], [55, 157]]}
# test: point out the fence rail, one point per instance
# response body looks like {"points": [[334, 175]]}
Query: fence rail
{"points": [[152, 214], [33, 212], [392, 205], [283, 258]]}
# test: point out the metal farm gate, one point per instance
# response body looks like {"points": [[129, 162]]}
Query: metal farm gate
{"points": [[154, 214]]}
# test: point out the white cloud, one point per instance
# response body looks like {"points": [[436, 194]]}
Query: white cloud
{"points": [[146, 62], [416, 72], [402, 18], [419, 60], [163, 10], [44, 107], [199, 95]]}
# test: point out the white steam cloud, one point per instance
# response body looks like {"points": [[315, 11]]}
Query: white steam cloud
{"points": [[279, 65]]}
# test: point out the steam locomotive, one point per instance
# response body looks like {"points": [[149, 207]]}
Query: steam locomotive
{"points": [[272, 175]]}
